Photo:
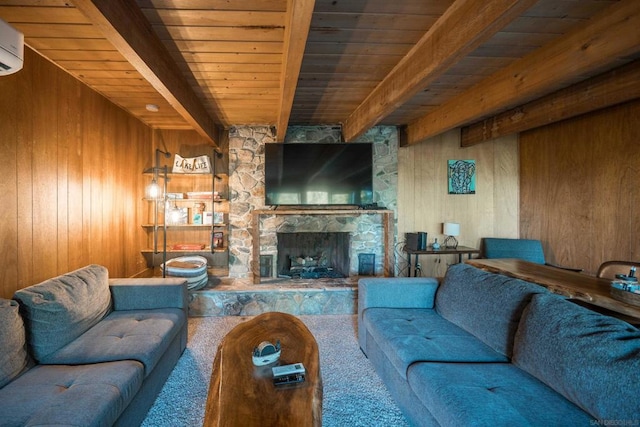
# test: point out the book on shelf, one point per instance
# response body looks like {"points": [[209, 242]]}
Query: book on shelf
{"points": [[187, 247]]}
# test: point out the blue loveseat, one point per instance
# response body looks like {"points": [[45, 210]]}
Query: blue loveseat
{"points": [[483, 349], [83, 350]]}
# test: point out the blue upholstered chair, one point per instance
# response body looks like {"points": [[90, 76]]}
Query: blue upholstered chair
{"points": [[525, 249]]}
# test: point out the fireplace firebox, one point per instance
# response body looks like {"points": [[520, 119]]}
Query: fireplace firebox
{"points": [[311, 255]]}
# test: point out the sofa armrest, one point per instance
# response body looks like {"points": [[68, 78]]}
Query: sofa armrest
{"points": [[397, 292], [149, 293]]}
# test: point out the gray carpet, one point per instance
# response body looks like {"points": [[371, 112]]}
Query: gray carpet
{"points": [[354, 395]]}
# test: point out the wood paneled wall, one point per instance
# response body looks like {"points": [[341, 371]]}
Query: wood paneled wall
{"points": [[424, 203], [71, 183], [580, 187]]}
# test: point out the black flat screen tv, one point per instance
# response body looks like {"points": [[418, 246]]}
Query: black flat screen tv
{"points": [[318, 174]]}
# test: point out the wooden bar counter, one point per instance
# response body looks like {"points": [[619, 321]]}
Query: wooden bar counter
{"points": [[577, 286], [241, 394]]}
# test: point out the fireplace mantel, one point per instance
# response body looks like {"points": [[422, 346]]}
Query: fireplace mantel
{"points": [[387, 223]]}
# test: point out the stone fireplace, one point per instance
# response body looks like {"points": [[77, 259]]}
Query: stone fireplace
{"points": [[250, 242], [313, 255], [362, 233]]}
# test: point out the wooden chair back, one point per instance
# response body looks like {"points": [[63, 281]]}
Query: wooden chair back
{"points": [[609, 269]]}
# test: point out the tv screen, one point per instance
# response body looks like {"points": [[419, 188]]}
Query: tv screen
{"points": [[318, 174]]}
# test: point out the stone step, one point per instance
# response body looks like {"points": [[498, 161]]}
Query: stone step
{"points": [[235, 297]]}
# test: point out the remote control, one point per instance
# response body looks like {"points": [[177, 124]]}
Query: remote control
{"points": [[288, 374], [295, 368]]}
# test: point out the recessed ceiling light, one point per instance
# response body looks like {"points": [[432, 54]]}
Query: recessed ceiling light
{"points": [[153, 108]]}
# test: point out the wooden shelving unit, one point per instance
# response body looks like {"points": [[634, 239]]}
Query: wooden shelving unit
{"points": [[179, 210]]}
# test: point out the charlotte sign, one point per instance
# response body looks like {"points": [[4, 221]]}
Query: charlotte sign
{"points": [[200, 164]]}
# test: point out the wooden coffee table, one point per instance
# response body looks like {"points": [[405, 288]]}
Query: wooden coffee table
{"points": [[241, 394]]}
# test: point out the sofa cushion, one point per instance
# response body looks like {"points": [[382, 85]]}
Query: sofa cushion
{"points": [[84, 395], [485, 304], [591, 359], [142, 335], [13, 347], [409, 335], [490, 394], [59, 310]]}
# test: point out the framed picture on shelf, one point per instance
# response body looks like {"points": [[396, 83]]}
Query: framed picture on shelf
{"points": [[218, 239], [218, 218], [207, 218]]}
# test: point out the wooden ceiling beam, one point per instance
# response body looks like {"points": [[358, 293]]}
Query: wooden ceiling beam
{"points": [[605, 90], [608, 37], [462, 28], [125, 26], [296, 31]]}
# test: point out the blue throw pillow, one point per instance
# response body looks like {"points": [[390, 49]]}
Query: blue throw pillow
{"points": [[591, 359]]}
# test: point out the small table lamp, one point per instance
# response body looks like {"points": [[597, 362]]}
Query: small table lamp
{"points": [[451, 230]]}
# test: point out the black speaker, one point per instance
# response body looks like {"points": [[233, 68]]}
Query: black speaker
{"points": [[422, 241], [411, 241], [416, 241]]}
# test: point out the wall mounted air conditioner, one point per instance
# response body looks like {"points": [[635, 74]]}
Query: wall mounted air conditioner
{"points": [[11, 49]]}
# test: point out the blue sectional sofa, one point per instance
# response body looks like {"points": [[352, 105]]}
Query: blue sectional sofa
{"points": [[83, 350], [483, 349]]}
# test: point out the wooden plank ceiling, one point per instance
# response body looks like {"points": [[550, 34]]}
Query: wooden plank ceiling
{"points": [[429, 65]]}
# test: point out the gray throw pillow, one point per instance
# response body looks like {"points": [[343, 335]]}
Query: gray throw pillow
{"points": [[591, 359], [13, 352], [485, 304], [59, 310]]}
